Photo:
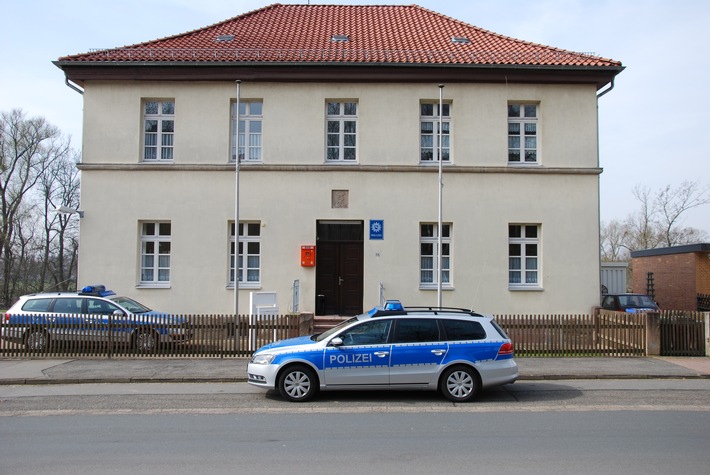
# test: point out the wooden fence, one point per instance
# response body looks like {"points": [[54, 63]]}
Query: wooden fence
{"points": [[603, 334]]}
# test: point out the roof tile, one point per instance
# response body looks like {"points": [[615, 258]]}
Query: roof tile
{"points": [[376, 34]]}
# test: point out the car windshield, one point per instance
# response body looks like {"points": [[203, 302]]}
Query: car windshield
{"points": [[130, 304], [637, 301], [335, 329]]}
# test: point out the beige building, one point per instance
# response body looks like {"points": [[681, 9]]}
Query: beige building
{"points": [[342, 124]]}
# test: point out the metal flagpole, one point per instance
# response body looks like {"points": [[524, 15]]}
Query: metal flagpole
{"points": [[236, 207], [441, 186]]}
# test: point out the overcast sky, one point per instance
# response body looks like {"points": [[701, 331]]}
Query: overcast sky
{"points": [[653, 130]]}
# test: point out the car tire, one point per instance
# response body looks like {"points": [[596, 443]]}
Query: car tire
{"points": [[145, 341], [459, 384], [298, 384], [36, 339]]}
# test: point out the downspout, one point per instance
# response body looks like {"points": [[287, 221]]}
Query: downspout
{"points": [[599, 195], [72, 86]]}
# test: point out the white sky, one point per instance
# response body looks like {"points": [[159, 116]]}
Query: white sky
{"points": [[652, 127]]}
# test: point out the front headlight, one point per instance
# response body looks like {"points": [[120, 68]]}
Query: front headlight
{"points": [[262, 358]]}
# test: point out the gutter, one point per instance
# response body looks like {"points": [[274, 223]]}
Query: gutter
{"points": [[72, 86]]}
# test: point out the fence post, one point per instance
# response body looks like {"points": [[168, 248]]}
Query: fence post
{"points": [[706, 321], [653, 334]]}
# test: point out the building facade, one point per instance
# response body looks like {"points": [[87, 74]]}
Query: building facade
{"points": [[342, 126]]}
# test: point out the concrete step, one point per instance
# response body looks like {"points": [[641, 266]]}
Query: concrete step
{"points": [[326, 322]]}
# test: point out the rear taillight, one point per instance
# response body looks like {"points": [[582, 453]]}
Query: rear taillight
{"points": [[7, 317], [505, 349]]}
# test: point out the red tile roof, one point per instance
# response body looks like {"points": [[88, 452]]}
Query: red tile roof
{"points": [[403, 34]]}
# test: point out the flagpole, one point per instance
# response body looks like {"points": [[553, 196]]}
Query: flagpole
{"points": [[236, 205], [441, 186]]}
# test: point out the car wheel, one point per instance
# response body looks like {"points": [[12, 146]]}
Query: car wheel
{"points": [[459, 384], [298, 384], [145, 341], [36, 339]]}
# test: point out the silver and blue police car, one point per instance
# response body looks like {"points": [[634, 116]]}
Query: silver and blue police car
{"points": [[455, 351]]}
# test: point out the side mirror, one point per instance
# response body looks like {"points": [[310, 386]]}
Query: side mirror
{"points": [[118, 313], [337, 341]]}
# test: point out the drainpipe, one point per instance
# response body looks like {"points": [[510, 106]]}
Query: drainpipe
{"points": [[72, 86], [599, 193]]}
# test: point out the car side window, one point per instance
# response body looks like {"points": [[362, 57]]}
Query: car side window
{"points": [[374, 332], [416, 330], [100, 307], [37, 305], [608, 302], [68, 305], [463, 330]]}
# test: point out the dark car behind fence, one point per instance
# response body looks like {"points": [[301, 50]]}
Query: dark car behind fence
{"points": [[604, 333]]}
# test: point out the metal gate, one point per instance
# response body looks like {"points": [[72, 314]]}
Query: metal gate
{"points": [[682, 333]]}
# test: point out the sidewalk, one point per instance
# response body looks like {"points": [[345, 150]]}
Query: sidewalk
{"points": [[71, 371]]}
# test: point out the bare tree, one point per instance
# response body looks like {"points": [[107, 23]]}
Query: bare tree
{"points": [[656, 223], [27, 147]]}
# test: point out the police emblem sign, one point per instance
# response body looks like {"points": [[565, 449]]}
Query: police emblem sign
{"points": [[377, 229]]}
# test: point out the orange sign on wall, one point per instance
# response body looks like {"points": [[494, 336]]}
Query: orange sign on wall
{"points": [[308, 256]]}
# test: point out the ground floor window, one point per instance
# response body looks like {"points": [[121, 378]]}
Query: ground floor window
{"points": [[248, 256], [428, 256], [523, 256], [155, 252]]}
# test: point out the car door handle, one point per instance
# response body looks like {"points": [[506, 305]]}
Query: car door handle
{"points": [[438, 352], [382, 354]]}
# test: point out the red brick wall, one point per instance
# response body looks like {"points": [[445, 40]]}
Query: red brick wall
{"points": [[675, 279], [703, 272]]}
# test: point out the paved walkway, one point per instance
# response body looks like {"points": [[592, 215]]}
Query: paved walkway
{"points": [[67, 371]]}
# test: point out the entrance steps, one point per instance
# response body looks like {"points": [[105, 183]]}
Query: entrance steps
{"points": [[322, 323]]}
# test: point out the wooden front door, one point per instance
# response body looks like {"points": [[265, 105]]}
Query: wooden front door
{"points": [[339, 268]]}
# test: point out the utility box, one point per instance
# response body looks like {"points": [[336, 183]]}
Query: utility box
{"points": [[308, 256]]}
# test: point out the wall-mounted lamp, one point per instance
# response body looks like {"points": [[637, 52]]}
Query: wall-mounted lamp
{"points": [[66, 210]]}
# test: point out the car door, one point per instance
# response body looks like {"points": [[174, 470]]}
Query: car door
{"points": [[98, 312], [362, 359], [69, 323], [417, 351]]}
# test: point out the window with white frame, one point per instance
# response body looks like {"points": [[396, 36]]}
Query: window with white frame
{"points": [[428, 257], [249, 141], [522, 134], [158, 130], [429, 132], [524, 255], [249, 254], [155, 252], [341, 131]]}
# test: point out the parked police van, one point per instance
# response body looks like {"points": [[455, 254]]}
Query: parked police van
{"points": [[455, 351]]}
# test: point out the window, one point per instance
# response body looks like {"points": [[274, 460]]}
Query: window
{"points": [[155, 253], [522, 133], [417, 330], [159, 128], [523, 252], [463, 330], [250, 117], [100, 307], [341, 132], [68, 305], [37, 305], [374, 332], [249, 252], [428, 244], [429, 132]]}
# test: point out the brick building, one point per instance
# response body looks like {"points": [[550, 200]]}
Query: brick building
{"points": [[680, 274]]}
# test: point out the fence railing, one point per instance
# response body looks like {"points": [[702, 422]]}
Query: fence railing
{"points": [[157, 336], [602, 334]]}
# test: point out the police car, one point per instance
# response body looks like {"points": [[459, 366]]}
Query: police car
{"points": [[455, 351], [37, 320]]}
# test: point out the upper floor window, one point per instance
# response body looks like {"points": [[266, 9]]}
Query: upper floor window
{"points": [[248, 146], [523, 255], [249, 255], [522, 133], [158, 130], [341, 132], [429, 132], [428, 257], [155, 252]]}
